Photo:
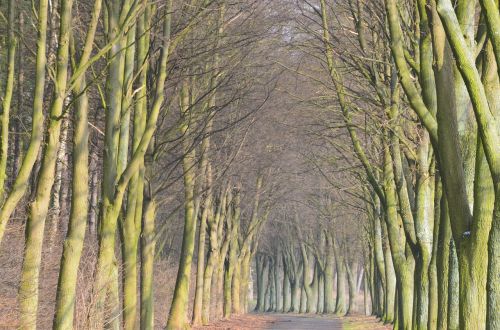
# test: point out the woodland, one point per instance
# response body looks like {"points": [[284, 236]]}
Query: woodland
{"points": [[165, 164]]}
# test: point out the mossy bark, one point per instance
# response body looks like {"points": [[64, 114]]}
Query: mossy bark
{"points": [[28, 288], [178, 311]]}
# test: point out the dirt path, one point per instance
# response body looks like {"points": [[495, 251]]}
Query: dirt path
{"points": [[296, 322]]}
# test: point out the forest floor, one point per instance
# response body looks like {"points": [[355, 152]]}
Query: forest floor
{"points": [[296, 322]]}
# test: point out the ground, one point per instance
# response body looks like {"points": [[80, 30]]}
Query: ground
{"points": [[296, 322]]}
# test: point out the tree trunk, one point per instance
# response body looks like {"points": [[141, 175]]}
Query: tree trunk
{"points": [[329, 271], [453, 290], [147, 264], [7, 97], [352, 288], [28, 289], [177, 317], [366, 295], [73, 245], [443, 259], [340, 303]]}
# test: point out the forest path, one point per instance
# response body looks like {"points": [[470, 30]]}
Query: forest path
{"points": [[296, 322], [304, 322]]}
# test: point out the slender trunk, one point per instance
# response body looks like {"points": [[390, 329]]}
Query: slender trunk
{"points": [[286, 286], [245, 282], [397, 240], [303, 300], [7, 97], [321, 293], [278, 283], [147, 264], [390, 280], [73, 245], [109, 212], [443, 257], [177, 317], [352, 288], [366, 295], [61, 163], [200, 266], [23, 178], [262, 267], [329, 271], [453, 290], [211, 264], [28, 289], [130, 227], [18, 139], [340, 303], [294, 297], [94, 194]]}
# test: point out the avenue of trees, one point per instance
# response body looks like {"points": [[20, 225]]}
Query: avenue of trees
{"points": [[164, 164]]}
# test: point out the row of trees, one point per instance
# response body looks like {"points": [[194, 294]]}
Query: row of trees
{"points": [[155, 98], [416, 90], [315, 270]]}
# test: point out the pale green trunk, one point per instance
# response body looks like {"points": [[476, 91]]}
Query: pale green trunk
{"points": [[200, 266], [294, 297], [261, 262], [424, 223], [433, 276], [321, 293], [277, 283], [147, 265], [352, 288], [178, 310], [303, 300], [73, 245], [340, 302], [453, 290], [28, 289], [366, 295], [443, 257], [130, 227], [7, 97], [390, 280], [245, 282], [397, 242], [286, 286], [211, 264], [329, 305], [109, 213]]}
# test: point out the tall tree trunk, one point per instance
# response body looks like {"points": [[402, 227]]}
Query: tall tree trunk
{"points": [[73, 245], [433, 276], [352, 288], [28, 289], [340, 303], [23, 178], [178, 310], [200, 265], [366, 296], [443, 257], [329, 270], [7, 97], [262, 266], [453, 290], [147, 264]]}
